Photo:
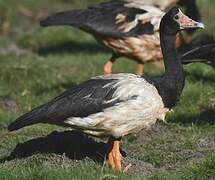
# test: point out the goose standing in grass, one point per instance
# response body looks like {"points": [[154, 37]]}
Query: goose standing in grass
{"points": [[119, 104], [129, 29]]}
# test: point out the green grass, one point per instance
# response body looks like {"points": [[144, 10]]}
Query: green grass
{"points": [[62, 57]]}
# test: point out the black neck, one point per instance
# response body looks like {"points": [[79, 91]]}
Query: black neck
{"points": [[172, 62], [171, 84]]}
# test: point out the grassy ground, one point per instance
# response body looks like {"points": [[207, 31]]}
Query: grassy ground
{"points": [[37, 64]]}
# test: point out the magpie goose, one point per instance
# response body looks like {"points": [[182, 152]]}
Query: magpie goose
{"points": [[129, 29], [117, 105]]}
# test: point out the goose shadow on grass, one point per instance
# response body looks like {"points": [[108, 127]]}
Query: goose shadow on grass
{"points": [[73, 144], [73, 47]]}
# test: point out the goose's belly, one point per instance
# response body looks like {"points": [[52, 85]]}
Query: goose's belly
{"points": [[142, 49], [120, 120]]}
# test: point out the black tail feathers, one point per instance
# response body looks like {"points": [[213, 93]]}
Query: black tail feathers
{"points": [[205, 53], [74, 17], [30, 118], [201, 49]]}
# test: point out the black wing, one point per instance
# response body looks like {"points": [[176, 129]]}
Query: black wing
{"points": [[79, 101], [105, 19], [205, 53], [201, 49]]}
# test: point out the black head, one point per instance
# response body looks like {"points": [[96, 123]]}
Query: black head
{"points": [[174, 20]]}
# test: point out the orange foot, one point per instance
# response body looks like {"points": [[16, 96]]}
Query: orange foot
{"points": [[114, 156]]}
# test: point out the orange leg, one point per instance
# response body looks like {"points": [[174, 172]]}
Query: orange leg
{"points": [[114, 156], [107, 69], [140, 69]]}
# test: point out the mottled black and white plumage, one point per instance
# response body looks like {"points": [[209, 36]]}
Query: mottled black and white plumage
{"points": [[125, 29], [109, 94], [190, 6], [114, 19], [100, 106], [128, 28], [120, 104]]}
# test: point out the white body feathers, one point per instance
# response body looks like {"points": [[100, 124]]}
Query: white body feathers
{"points": [[140, 107], [141, 48]]}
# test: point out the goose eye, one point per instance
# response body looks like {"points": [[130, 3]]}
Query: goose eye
{"points": [[176, 17]]}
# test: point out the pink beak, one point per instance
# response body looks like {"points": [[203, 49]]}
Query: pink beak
{"points": [[187, 23]]}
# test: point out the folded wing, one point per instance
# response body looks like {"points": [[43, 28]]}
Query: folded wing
{"points": [[80, 101]]}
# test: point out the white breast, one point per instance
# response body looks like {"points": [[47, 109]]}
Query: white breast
{"points": [[128, 116]]}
